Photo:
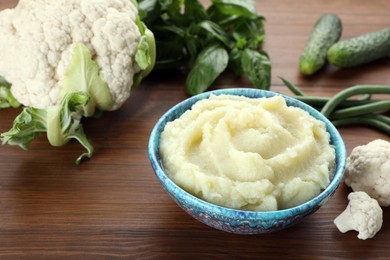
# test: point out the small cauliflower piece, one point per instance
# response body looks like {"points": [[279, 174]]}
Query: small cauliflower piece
{"points": [[368, 170], [363, 214]]}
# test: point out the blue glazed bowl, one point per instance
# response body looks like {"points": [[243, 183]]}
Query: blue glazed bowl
{"points": [[241, 221]]}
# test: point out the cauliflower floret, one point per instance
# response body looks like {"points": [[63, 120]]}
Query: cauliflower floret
{"points": [[368, 170], [363, 214], [37, 39]]}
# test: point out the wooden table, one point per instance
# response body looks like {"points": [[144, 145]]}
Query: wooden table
{"points": [[113, 206]]}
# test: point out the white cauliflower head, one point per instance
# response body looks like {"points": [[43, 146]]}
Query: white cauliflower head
{"points": [[66, 59], [37, 39], [363, 214], [368, 170]]}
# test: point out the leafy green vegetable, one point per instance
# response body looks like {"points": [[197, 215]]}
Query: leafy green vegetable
{"points": [[6, 98], [236, 7], [83, 92], [216, 31], [27, 125], [185, 29], [256, 65], [210, 63], [61, 123]]}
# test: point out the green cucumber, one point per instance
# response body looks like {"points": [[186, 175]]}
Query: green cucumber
{"points": [[360, 50], [326, 32]]}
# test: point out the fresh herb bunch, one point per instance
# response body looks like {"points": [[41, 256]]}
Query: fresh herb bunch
{"points": [[205, 42]]}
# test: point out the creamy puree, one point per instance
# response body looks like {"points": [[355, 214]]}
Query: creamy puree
{"points": [[251, 154]]}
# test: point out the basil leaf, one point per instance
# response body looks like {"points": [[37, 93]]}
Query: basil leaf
{"points": [[192, 49], [250, 29], [204, 41], [235, 61], [149, 10], [257, 67], [216, 31], [148, 5], [170, 54], [172, 12], [171, 5], [194, 10], [236, 7], [164, 31], [209, 64]]}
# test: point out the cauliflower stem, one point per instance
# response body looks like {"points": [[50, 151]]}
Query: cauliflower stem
{"points": [[83, 91], [61, 123], [83, 74]]}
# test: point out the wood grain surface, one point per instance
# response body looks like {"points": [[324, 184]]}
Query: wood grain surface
{"points": [[113, 206]]}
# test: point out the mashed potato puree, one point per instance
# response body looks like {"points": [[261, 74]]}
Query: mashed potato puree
{"points": [[251, 154]]}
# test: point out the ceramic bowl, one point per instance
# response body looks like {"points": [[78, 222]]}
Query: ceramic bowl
{"points": [[241, 221]]}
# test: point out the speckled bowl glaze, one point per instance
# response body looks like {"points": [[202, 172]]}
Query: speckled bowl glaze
{"points": [[240, 221]]}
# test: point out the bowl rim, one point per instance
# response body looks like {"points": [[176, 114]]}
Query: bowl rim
{"points": [[172, 188]]}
